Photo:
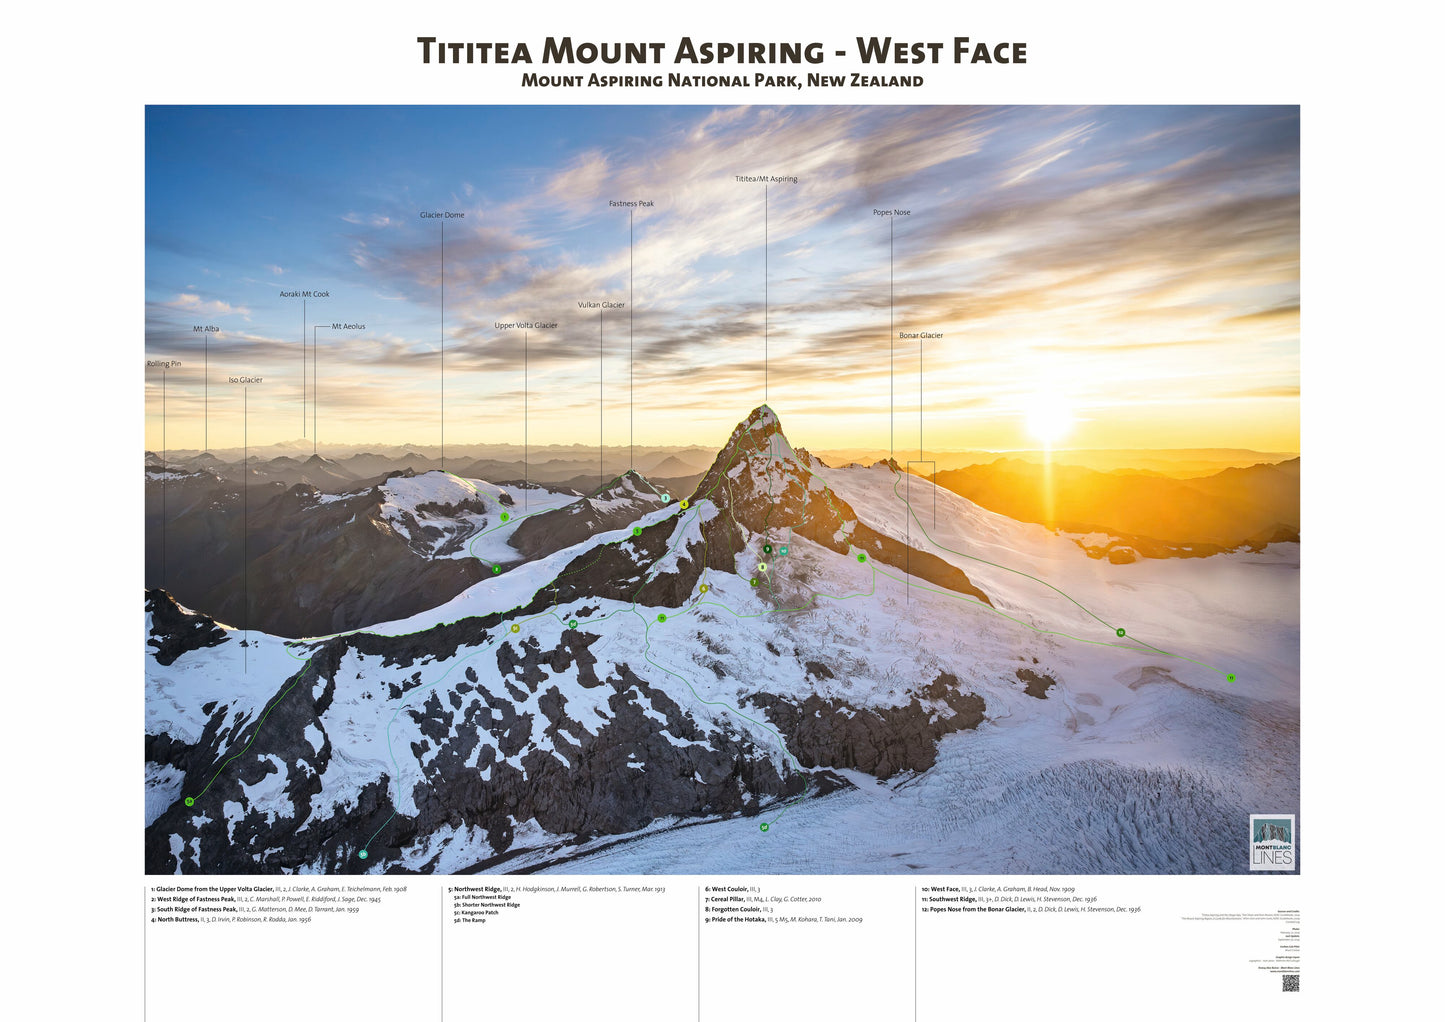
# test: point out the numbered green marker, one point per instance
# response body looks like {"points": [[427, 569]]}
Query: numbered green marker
{"points": [[1119, 632], [783, 552], [572, 623], [516, 628], [862, 558], [190, 801], [505, 516], [361, 854], [637, 530], [754, 581], [763, 827], [767, 548], [496, 569], [661, 617], [1229, 678]]}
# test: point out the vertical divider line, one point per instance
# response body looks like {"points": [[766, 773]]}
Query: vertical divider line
{"points": [[442, 336], [442, 956], [526, 463], [699, 954], [601, 473], [631, 440], [163, 477], [313, 390], [245, 524]]}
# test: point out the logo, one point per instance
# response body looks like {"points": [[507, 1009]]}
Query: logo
{"points": [[1271, 842]]}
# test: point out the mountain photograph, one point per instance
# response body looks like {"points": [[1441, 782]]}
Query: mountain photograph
{"points": [[701, 492], [792, 647]]}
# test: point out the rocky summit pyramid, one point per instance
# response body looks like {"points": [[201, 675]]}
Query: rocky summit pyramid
{"points": [[767, 487], [539, 696], [760, 495], [784, 638]]}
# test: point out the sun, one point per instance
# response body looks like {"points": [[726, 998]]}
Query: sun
{"points": [[1049, 419]]}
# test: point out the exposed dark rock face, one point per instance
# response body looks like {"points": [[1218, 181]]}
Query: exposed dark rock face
{"points": [[226, 831], [1119, 548], [760, 487], [918, 563], [440, 642], [776, 492], [175, 631], [1275, 534], [606, 777], [616, 778], [552, 729], [1036, 684], [628, 497], [475, 505], [882, 741], [297, 565], [625, 571]]}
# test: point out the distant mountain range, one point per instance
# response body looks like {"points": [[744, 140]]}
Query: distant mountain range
{"points": [[785, 668], [1180, 463], [546, 464], [1151, 515]]}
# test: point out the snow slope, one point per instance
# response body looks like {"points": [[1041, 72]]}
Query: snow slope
{"points": [[652, 735]]}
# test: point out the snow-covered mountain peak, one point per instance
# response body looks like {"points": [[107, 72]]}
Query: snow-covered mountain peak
{"points": [[762, 418], [758, 465], [412, 490], [760, 434]]}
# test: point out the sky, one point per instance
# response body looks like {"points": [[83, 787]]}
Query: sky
{"points": [[1099, 277]]}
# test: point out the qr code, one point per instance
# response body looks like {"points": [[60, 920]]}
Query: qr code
{"points": [[1291, 982]]}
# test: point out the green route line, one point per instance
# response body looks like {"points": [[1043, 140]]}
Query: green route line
{"points": [[971, 601], [898, 478], [772, 592], [680, 535], [773, 443], [647, 576], [363, 853], [191, 799], [511, 521], [315, 640], [647, 655]]}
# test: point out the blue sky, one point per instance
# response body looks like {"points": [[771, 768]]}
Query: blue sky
{"points": [[1128, 276]]}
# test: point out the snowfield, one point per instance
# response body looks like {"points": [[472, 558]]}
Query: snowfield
{"points": [[432, 499], [1141, 757]]}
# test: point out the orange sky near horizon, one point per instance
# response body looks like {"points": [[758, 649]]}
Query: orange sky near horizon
{"points": [[1110, 277]]}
